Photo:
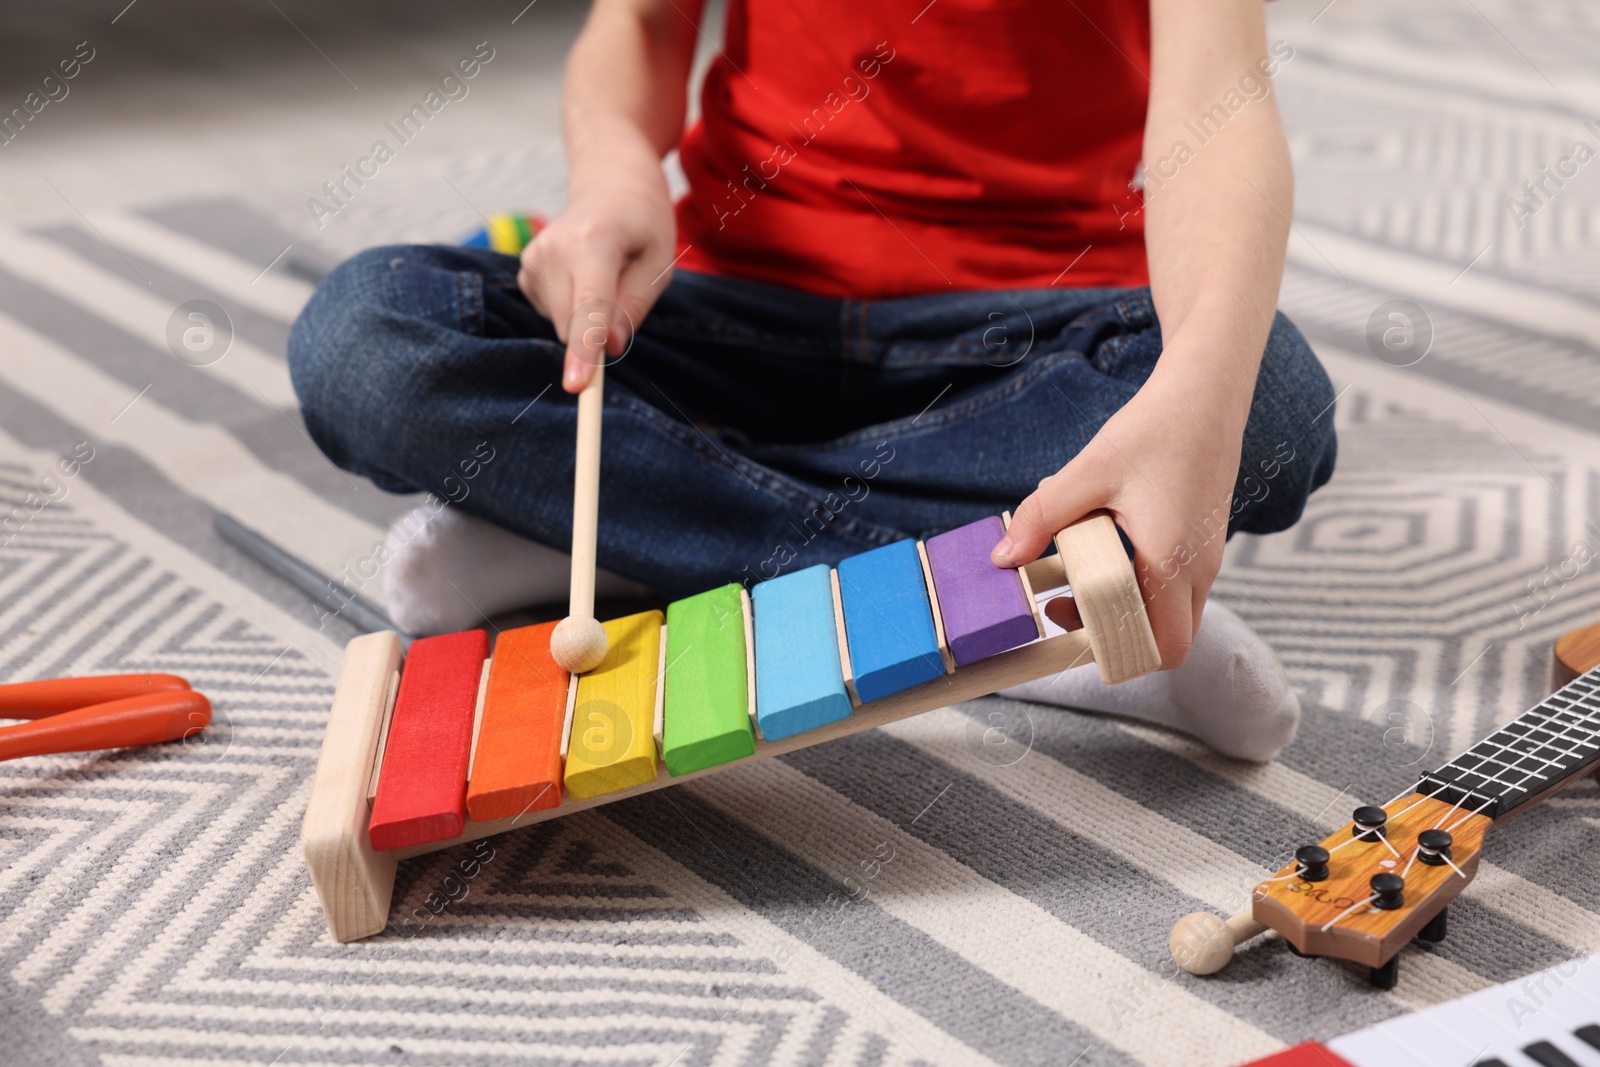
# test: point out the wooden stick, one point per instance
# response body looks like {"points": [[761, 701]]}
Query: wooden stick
{"points": [[579, 642], [586, 495]]}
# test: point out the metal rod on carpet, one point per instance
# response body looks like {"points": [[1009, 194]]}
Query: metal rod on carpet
{"points": [[360, 613]]}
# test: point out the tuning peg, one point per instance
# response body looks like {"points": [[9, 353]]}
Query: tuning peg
{"points": [[1369, 820], [1388, 891], [1203, 943], [1311, 862], [1433, 847]]}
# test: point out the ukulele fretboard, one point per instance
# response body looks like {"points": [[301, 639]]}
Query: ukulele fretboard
{"points": [[1526, 758]]}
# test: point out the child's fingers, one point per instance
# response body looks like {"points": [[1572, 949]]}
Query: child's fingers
{"points": [[593, 320], [642, 282], [1174, 585], [1170, 607], [548, 289], [587, 331], [1198, 592], [1061, 499]]}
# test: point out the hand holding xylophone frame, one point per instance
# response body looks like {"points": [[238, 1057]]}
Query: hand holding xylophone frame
{"points": [[352, 788]]}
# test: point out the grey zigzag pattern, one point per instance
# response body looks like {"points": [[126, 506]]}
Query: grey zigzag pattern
{"points": [[140, 886], [1386, 591], [1549, 37], [1553, 374], [1437, 172], [155, 908]]}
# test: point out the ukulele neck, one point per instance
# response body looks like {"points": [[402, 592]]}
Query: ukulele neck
{"points": [[1535, 754]]}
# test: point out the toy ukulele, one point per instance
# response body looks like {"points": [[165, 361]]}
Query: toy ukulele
{"points": [[1389, 875], [103, 711]]}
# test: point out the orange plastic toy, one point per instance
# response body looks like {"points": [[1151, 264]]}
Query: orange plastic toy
{"points": [[106, 711]]}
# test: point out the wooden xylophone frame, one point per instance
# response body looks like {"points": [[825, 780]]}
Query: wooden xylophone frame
{"points": [[355, 883]]}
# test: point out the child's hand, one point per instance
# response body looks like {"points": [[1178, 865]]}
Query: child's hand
{"points": [[1165, 467], [612, 246]]}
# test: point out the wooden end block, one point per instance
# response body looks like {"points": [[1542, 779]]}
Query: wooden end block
{"points": [[985, 608], [888, 621], [799, 680], [612, 745], [706, 717], [422, 786], [516, 766], [1106, 593], [353, 882]]}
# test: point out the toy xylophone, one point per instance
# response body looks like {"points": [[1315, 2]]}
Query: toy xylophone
{"points": [[458, 744]]}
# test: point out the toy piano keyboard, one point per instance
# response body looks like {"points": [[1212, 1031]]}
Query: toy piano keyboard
{"points": [[1549, 1019], [458, 745]]}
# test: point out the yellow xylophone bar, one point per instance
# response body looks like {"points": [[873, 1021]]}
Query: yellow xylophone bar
{"points": [[355, 881]]}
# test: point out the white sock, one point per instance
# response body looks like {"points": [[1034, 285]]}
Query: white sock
{"points": [[1231, 693], [449, 570]]}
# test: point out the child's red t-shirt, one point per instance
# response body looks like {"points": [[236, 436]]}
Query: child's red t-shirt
{"points": [[854, 148]]}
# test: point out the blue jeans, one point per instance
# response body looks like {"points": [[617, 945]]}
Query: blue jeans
{"points": [[752, 429]]}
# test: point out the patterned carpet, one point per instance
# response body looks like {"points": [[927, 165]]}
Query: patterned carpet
{"points": [[896, 897]]}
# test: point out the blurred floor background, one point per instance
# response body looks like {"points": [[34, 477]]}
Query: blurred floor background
{"points": [[188, 98]]}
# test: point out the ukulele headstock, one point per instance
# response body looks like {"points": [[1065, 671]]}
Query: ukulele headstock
{"points": [[1363, 892]]}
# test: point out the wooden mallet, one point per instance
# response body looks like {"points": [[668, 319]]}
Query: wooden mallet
{"points": [[578, 642]]}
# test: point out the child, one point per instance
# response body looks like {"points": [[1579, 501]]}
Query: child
{"points": [[914, 283]]}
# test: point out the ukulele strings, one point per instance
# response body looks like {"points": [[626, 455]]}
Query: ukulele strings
{"points": [[1355, 836], [1298, 868], [1453, 808], [1400, 796], [1477, 811], [1441, 855], [1415, 854], [1421, 797], [1359, 904], [1347, 841], [1471, 813]]}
